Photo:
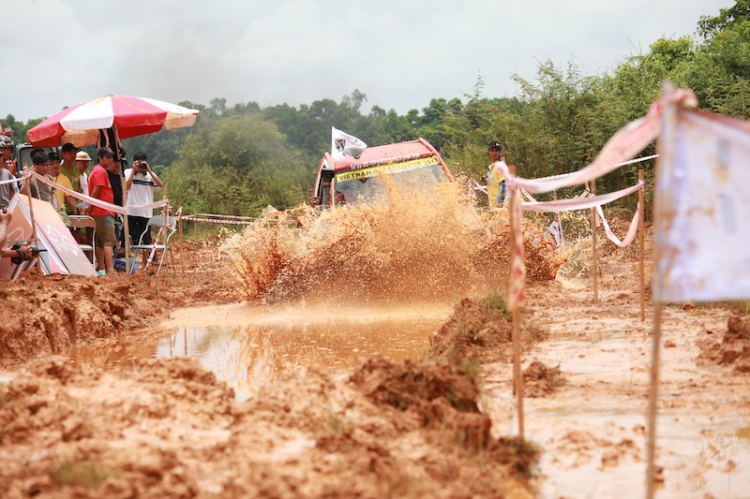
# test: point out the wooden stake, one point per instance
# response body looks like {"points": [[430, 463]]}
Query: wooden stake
{"points": [[517, 374], [515, 320], [593, 243], [652, 401], [641, 230]]}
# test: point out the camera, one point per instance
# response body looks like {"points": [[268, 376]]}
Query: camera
{"points": [[17, 260], [143, 165]]}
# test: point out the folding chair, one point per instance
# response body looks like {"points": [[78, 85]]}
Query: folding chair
{"points": [[164, 234], [83, 221]]}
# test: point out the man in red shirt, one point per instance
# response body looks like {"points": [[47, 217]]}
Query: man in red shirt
{"points": [[100, 188]]}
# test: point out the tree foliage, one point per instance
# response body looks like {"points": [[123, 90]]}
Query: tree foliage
{"points": [[239, 158]]}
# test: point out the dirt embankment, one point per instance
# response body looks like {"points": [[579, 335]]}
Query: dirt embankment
{"points": [[169, 429], [48, 315], [732, 349]]}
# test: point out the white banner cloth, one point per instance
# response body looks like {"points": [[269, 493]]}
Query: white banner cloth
{"points": [[702, 208]]}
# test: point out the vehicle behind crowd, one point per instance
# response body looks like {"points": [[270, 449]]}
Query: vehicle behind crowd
{"points": [[350, 180]]}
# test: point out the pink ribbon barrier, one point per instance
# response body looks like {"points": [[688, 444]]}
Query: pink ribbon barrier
{"points": [[581, 203], [223, 222], [214, 215], [93, 201], [632, 230], [11, 181]]}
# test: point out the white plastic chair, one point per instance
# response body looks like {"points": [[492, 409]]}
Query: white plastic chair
{"points": [[164, 234]]}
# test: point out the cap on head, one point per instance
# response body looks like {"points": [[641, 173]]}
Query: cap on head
{"points": [[53, 156], [6, 141], [67, 147], [83, 156], [494, 145]]}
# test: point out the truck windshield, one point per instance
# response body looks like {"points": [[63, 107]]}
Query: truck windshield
{"points": [[367, 185]]}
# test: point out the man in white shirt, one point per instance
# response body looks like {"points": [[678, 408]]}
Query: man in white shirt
{"points": [[141, 184]]}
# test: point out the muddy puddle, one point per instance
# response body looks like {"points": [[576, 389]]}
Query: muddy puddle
{"points": [[593, 429], [251, 347]]}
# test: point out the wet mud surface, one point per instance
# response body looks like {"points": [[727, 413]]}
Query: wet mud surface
{"points": [[110, 420]]}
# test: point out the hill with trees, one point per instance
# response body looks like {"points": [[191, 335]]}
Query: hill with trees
{"points": [[239, 158]]}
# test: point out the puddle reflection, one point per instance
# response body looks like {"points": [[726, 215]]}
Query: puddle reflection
{"points": [[251, 356]]}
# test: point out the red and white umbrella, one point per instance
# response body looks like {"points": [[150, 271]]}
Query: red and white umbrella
{"points": [[132, 116]]}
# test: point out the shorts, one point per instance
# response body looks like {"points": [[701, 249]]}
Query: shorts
{"points": [[105, 231], [138, 226]]}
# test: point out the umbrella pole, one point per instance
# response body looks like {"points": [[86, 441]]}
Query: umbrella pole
{"points": [[128, 266]]}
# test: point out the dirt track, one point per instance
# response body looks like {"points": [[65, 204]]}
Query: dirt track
{"points": [[167, 428]]}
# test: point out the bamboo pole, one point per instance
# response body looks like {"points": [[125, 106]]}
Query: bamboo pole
{"points": [[515, 319], [652, 401], [593, 243], [641, 230]]}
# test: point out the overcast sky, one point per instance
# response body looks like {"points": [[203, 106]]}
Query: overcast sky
{"points": [[399, 53]]}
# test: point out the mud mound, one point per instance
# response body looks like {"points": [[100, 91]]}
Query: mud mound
{"points": [[540, 380], [170, 430], [426, 389], [733, 349], [475, 330], [443, 399], [47, 317]]}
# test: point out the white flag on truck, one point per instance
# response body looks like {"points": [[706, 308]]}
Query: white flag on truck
{"points": [[702, 208], [343, 144]]}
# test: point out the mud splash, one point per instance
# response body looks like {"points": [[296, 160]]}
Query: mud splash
{"points": [[419, 244]]}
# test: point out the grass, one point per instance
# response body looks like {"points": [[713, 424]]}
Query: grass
{"points": [[88, 474]]}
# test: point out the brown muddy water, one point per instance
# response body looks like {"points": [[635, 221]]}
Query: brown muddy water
{"points": [[249, 347], [593, 430]]}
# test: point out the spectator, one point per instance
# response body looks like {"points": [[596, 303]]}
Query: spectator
{"points": [[83, 160], [115, 180], [25, 250], [68, 167], [6, 149], [40, 190], [101, 189], [7, 191], [64, 203], [141, 184], [496, 174]]}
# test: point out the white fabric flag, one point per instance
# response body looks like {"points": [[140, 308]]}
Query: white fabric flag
{"points": [[702, 208], [343, 144]]}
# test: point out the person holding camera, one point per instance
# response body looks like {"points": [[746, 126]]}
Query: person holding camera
{"points": [[141, 184], [22, 251]]}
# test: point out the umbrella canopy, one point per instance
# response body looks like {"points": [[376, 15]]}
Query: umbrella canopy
{"points": [[132, 116]]}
